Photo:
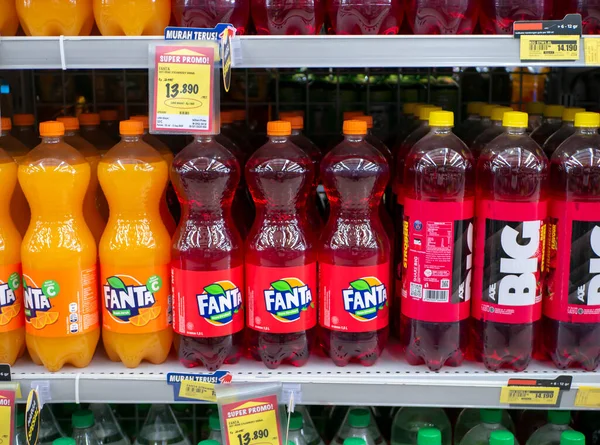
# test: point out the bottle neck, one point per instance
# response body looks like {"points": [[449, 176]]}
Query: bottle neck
{"points": [[552, 120], [496, 123], [4, 133], [297, 132], [516, 131], [52, 139], [203, 139], [569, 124], [354, 138], [587, 131], [69, 133], [129, 138], [441, 130], [278, 139]]}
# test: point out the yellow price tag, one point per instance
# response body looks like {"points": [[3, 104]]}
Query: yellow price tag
{"points": [[550, 48], [7, 413], [588, 396], [198, 390], [591, 49], [529, 395], [252, 422]]}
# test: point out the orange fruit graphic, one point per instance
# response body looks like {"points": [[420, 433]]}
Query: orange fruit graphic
{"points": [[44, 319], [4, 319], [147, 314], [51, 317], [9, 313]]}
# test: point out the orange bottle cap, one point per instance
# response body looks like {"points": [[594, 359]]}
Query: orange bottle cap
{"points": [[23, 120], [279, 128], [5, 124], [52, 129], [297, 122], [109, 115], [131, 127], [355, 127], [367, 119], [239, 115], [283, 114], [89, 119], [143, 119], [70, 122], [349, 115], [226, 117]]}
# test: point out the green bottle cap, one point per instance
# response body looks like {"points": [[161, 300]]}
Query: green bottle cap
{"points": [[64, 441], [429, 436], [359, 418], [572, 438], [20, 420], [83, 418], [214, 422], [296, 421], [354, 441], [557, 417], [502, 437], [209, 442], [490, 415]]}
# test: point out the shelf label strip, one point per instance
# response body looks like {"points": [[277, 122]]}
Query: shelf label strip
{"points": [[529, 395], [550, 48]]}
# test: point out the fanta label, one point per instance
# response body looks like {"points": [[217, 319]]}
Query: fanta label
{"points": [[574, 262], [208, 303], [437, 258], [136, 302], [11, 298], [354, 299], [509, 261], [60, 303], [281, 300]]}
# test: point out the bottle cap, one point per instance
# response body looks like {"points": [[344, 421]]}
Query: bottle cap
{"points": [[297, 122], [349, 115], [498, 113], [490, 415], [291, 113], [486, 110], [143, 119], [131, 128], [554, 111], [569, 114], [20, 420], [515, 119], [213, 421], [425, 111], [355, 127], [439, 118], [89, 119], [429, 436], [23, 120], [209, 442], [64, 441], [70, 122], [109, 115], [296, 421], [359, 417], [572, 438], [502, 437], [367, 119], [239, 115], [5, 124], [354, 441], [475, 107], [52, 129], [226, 117], [409, 107], [586, 119], [536, 108], [83, 418], [558, 417], [279, 128]]}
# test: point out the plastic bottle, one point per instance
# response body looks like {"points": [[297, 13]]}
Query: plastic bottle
{"points": [[71, 441], [589, 10], [470, 418], [364, 17], [490, 133], [551, 123], [92, 216], [59, 277], [550, 434], [410, 421], [49, 428], [209, 13], [490, 421], [502, 438], [9, 22], [109, 124], [278, 17], [498, 16], [473, 118], [89, 128], [564, 132], [135, 253], [55, 18], [429, 436], [309, 432], [535, 110], [479, 127], [295, 436], [214, 424], [355, 252], [445, 17], [511, 212], [408, 122], [571, 310], [208, 261], [107, 429], [572, 438], [528, 422], [359, 424], [281, 268], [438, 213], [132, 18], [23, 129], [84, 428], [161, 428]]}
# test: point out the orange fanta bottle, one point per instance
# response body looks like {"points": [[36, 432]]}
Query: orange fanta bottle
{"points": [[12, 320], [56, 17], [58, 255], [132, 17], [135, 252], [9, 22]]}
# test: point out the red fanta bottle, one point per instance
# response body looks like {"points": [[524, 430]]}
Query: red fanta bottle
{"points": [[354, 257], [365, 16], [510, 218], [288, 17], [442, 17], [572, 305], [498, 16], [438, 247], [209, 13], [207, 265], [281, 257]]}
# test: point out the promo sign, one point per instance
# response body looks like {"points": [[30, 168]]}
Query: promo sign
{"points": [[252, 422]]}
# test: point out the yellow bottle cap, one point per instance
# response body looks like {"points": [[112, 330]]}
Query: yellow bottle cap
{"points": [[279, 128], [131, 127], [109, 115], [355, 127], [52, 129], [367, 119], [438, 118], [23, 120], [70, 122], [89, 119], [425, 111], [516, 119], [536, 108], [349, 115], [475, 107], [143, 119], [283, 114], [239, 115], [498, 113], [409, 107], [486, 110], [589, 120], [554, 111], [5, 124], [297, 122], [569, 114]]}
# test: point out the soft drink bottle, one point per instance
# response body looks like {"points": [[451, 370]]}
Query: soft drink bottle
{"points": [[445, 17], [479, 127], [564, 132], [511, 212], [589, 10], [281, 267], [49, 427], [9, 22], [279, 17], [550, 124], [470, 418], [84, 428], [490, 133], [134, 272], [295, 436], [364, 17], [572, 438], [409, 421], [89, 128], [535, 110], [498, 16], [429, 436], [408, 122], [23, 129], [501, 437], [109, 124], [132, 18], [208, 263], [107, 429], [473, 118], [528, 422], [490, 421], [354, 269], [214, 423], [549, 434], [309, 431], [161, 428], [374, 140], [438, 217], [12, 318], [209, 13], [572, 309], [59, 278], [55, 18], [358, 423]]}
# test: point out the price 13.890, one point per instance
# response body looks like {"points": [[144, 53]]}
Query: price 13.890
{"points": [[246, 438], [174, 89]]}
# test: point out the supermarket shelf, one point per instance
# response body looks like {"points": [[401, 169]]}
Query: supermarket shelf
{"points": [[390, 382], [275, 52]]}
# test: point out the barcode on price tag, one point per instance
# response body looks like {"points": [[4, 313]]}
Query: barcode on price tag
{"points": [[542, 48]]}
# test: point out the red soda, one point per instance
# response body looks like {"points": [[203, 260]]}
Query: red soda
{"points": [[551, 123], [442, 17], [438, 247], [498, 16], [571, 320], [281, 258], [207, 257], [354, 257], [564, 132], [510, 231], [209, 13], [364, 16], [589, 10], [288, 17], [491, 133]]}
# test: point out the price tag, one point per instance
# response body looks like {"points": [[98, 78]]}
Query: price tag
{"points": [[549, 48], [252, 422], [591, 50], [529, 395], [198, 391], [7, 413], [588, 396]]}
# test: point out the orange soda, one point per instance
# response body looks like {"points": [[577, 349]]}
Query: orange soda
{"points": [[58, 255], [56, 17], [12, 319], [23, 129], [9, 22], [89, 128], [135, 252], [133, 17]]}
